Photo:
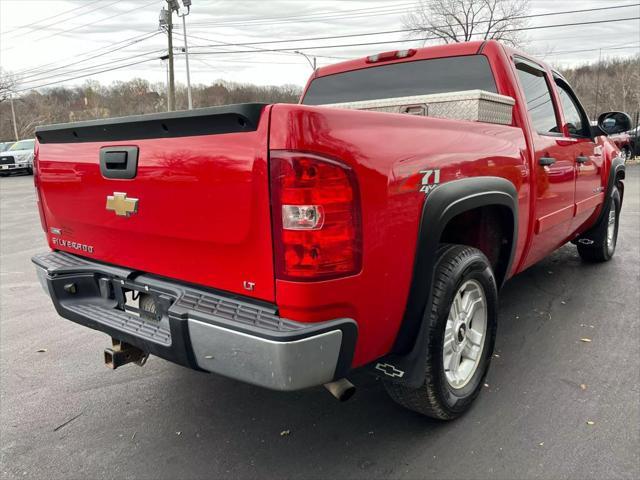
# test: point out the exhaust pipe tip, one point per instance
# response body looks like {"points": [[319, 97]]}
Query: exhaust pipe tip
{"points": [[341, 389]]}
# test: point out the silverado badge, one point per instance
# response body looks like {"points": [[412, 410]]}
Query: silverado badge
{"points": [[123, 206]]}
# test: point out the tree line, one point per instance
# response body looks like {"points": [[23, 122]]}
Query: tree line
{"points": [[608, 85], [93, 100]]}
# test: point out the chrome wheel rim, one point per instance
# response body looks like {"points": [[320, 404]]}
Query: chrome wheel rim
{"points": [[611, 230], [464, 334]]}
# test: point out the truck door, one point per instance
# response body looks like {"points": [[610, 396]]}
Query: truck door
{"points": [[586, 154], [554, 165]]}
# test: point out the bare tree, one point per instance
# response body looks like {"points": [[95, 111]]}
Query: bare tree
{"points": [[452, 21], [7, 84], [94, 100]]}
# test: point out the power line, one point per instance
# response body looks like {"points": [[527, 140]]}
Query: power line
{"points": [[54, 34], [370, 11], [221, 43], [594, 49], [157, 58], [87, 52], [89, 74], [90, 67], [28, 25], [281, 50], [45, 72], [407, 30], [330, 37], [62, 32], [420, 39]]}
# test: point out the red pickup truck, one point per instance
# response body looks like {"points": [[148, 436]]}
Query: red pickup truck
{"points": [[369, 226]]}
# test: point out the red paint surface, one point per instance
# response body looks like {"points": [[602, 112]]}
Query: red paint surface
{"points": [[204, 213]]}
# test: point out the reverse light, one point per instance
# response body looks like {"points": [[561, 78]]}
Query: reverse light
{"points": [[393, 55], [302, 217], [316, 217]]}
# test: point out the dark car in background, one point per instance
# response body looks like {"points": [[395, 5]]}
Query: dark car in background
{"points": [[634, 138], [624, 143]]}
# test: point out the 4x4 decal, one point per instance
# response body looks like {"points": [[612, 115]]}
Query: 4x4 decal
{"points": [[430, 180]]}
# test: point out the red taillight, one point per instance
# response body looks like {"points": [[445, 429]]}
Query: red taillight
{"points": [[316, 217]]}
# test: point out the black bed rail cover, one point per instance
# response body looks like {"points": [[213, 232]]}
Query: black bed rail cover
{"points": [[242, 117]]}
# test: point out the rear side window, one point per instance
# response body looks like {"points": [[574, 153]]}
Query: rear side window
{"points": [[420, 77], [574, 116], [538, 97]]}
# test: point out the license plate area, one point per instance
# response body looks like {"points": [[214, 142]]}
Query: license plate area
{"points": [[148, 304]]}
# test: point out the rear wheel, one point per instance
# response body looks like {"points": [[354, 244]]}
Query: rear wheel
{"points": [[462, 327], [601, 245]]}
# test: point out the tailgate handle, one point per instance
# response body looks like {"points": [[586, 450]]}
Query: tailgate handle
{"points": [[119, 162]]}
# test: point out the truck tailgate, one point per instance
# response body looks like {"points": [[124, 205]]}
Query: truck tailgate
{"points": [[197, 208]]}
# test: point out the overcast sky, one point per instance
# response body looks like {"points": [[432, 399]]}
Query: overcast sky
{"points": [[59, 36]]}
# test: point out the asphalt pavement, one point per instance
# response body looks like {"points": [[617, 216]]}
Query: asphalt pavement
{"points": [[64, 415]]}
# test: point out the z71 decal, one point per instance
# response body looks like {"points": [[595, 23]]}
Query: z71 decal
{"points": [[430, 180]]}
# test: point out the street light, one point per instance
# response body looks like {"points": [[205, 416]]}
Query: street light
{"points": [[312, 63], [174, 6]]}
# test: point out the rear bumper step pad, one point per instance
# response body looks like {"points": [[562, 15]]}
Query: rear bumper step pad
{"points": [[197, 327]]}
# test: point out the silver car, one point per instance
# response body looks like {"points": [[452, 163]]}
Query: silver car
{"points": [[19, 158]]}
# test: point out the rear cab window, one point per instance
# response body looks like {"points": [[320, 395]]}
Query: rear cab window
{"points": [[417, 77]]}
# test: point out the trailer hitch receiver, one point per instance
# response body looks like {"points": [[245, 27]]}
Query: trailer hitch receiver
{"points": [[122, 353]]}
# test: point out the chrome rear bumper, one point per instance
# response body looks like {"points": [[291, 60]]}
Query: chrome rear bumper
{"points": [[199, 328]]}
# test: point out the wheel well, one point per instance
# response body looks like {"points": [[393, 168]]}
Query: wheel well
{"points": [[489, 229]]}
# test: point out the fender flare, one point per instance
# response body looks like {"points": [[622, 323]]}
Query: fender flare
{"points": [[406, 363], [617, 171]]}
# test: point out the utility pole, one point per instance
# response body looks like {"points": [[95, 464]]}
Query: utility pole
{"points": [[167, 23], [187, 5], [595, 114], [13, 114], [172, 86]]}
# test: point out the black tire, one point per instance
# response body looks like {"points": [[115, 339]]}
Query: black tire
{"points": [[603, 247], [4, 174], [436, 397], [30, 171]]}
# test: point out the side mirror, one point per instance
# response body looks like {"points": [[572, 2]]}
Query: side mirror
{"points": [[611, 123]]}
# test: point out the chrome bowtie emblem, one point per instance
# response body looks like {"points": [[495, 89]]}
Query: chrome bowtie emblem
{"points": [[389, 370], [121, 205]]}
